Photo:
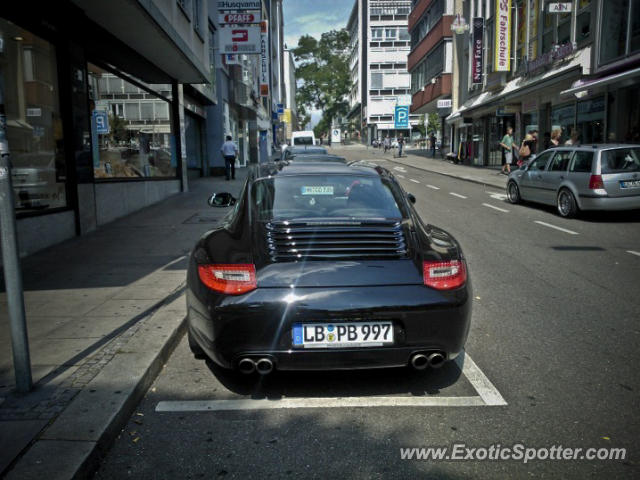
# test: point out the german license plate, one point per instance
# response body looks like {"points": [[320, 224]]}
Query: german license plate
{"points": [[630, 184], [341, 335]]}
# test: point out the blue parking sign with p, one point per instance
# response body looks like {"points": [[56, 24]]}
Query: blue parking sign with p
{"points": [[402, 116], [101, 120]]}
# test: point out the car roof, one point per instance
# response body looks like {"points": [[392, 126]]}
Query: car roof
{"points": [[318, 157], [303, 149], [594, 146], [271, 169]]}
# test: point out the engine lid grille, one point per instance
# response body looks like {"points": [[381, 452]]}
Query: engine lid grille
{"points": [[335, 240]]}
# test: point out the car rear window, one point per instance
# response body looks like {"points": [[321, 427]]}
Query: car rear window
{"points": [[324, 196], [620, 160], [303, 141]]}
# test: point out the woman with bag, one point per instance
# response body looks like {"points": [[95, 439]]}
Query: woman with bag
{"points": [[525, 149]]}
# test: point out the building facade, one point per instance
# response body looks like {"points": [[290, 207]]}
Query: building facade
{"points": [[378, 52], [537, 65], [99, 121]]}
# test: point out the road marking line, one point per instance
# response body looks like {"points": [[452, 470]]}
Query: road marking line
{"points": [[330, 402], [400, 169], [570, 232], [489, 394], [633, 253], [433, 187], [457, 195], [498, 196], [399, 176], [414, 181], [496, 208]]}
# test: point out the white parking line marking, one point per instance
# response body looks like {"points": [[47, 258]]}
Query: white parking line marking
{"points": [[400, 169], [433, 187], [570, 232], [496, 208], [633, 253], [488, 395], [498, 196], [457, 195], [414, 181], [399, 176]]}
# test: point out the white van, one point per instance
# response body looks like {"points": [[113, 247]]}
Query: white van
{"points": [[303, 138]]}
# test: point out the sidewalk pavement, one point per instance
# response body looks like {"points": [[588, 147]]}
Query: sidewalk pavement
{"points": [[419, 159], [104, 312]]}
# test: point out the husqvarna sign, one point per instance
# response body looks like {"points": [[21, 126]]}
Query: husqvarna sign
{"points": [[239, 4]]}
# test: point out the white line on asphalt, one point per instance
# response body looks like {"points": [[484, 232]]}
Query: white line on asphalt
{"points": [[400, 169], [570, 232], [489, 394], [414, 181], [433, 187], [457, 195], [633, 253], [399, 176], [495, 208]]}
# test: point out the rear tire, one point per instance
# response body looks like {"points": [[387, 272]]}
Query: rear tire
{"points": [[566, 203], [196, 349], [513, 193]]}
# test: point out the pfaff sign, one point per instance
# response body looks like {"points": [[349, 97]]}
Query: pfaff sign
{"points": [[236, 39], [478, 50], [502, 47], [560, 7], [238, 18]]}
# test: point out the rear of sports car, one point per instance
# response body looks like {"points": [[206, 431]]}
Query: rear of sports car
{"points": [[322, 295]]}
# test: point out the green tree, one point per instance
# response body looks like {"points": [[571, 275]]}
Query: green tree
{"points": [[323, 73], [118, 129], [421, 127], [434, 123]]}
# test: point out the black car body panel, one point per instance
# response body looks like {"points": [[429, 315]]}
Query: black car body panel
{"points": [[357, 275]]}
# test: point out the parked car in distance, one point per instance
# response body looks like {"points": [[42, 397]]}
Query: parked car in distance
{"points": [[582, 177], [305, 150], [302, 138], [323, 266], [317, 157]]}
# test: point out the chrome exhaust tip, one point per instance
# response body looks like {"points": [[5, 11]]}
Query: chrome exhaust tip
{"points": [[246, 366], [264, 366], [419, 361], [435, 360]]}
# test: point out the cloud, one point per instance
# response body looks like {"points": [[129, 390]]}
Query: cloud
{"points": [[312, 17]]}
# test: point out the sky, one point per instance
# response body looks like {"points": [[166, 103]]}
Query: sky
{"points": [[313, 17]]}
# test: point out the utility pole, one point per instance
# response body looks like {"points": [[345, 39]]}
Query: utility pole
{"points": [[11, 262]]}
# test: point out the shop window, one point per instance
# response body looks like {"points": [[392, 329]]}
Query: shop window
{"points": [[136, 140], [635, 26], [590, 121], [563, 118], [28, 67]]}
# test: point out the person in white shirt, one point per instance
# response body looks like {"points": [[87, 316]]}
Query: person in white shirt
{"points": [[229, 152]]}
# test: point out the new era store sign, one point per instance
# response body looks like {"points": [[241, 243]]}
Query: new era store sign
{"points": [[224, 5], [240, 39], [564, 7]]}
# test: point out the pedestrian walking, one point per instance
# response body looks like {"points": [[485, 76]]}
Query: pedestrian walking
{"points": [[507, 145], [432, 140], [574, 139], [555, 138], [229, 152], [400, 145], [386, 143]]}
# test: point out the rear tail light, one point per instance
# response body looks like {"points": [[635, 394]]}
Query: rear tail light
{"points": [[234, 279], [595, 182], [444, 275]]}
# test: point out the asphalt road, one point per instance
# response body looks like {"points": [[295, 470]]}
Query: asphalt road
{"points": [[555, 331]]}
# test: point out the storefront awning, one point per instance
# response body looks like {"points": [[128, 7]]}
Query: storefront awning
{"points": [[581, 86]]}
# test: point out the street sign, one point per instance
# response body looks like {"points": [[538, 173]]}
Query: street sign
{"points": [[402, 116], [280, 108], [336, 136], [563, 7], [239, 5], [446, 103], [239, 39], [102, 121], [264, 59], [239, 18]]}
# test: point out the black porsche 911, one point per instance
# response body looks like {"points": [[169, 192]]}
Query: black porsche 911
{"points": [[325, 266]]}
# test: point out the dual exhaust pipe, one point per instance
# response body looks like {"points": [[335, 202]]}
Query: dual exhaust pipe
{"points": [[420, 361], [263, 366]]}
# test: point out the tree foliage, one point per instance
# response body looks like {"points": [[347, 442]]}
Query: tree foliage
{"points": [[434, 123], [323, 72]]}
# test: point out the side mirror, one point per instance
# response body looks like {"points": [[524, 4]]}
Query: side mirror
{"points": [[411, 197], [223, 199]]}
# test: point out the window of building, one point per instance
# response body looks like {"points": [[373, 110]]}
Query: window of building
{"points": [[376, 33], [430, 67], [212, 61], [185, 6], [197, 8], [616, 21], [590, 120], [390, 33], [376, 80], [583, 21], [136, 140], [429, 19], [28, 66], [563, 118]]}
